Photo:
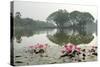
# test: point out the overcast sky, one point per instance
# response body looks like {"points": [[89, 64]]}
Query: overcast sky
{"points": [[40, 11]]}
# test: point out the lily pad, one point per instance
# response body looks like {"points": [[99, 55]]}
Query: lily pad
{"points": [[18, 62], [18, 56]]}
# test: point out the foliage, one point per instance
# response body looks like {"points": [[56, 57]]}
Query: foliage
{"points": [[38, 48], [70, 50], [59, 17], [80, 19], [29, 23]]}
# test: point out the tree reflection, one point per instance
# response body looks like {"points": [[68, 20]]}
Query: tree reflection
{"points": [[19, 33], [75, 36]]}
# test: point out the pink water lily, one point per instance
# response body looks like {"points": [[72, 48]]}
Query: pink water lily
{"points": [[40, 46], [37, 48], [70, 48], [77, 49]]}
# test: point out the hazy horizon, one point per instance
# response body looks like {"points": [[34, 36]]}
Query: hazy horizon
{"points": [[40, 11]]}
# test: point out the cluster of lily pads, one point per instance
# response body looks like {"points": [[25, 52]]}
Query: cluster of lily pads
{"points": [[68, 49], [37, 48], [69, 53]]}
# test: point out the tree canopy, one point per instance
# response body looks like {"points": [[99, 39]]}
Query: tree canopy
{"points": [[61, 17]]}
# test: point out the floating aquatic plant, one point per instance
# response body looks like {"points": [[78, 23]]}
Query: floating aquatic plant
{"points": [[70, 50], [37, 48]]}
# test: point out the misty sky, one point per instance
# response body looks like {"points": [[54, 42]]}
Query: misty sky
{"points": [[40, 11]]}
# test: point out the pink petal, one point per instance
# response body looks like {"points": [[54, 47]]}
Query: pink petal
{"points": [[40, 46], [78, 49]]}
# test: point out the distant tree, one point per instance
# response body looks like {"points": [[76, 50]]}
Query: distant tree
{"points": [[18, 15], [17, 19], [59, 17], [75, 17], [81, 18], [29, 23], [87, 18]]}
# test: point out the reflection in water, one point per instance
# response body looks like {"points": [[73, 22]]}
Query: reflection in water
{"points": [[72, 35], [19, 33]]}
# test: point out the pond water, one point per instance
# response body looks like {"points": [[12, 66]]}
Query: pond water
{"points": [[55, 39]]}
